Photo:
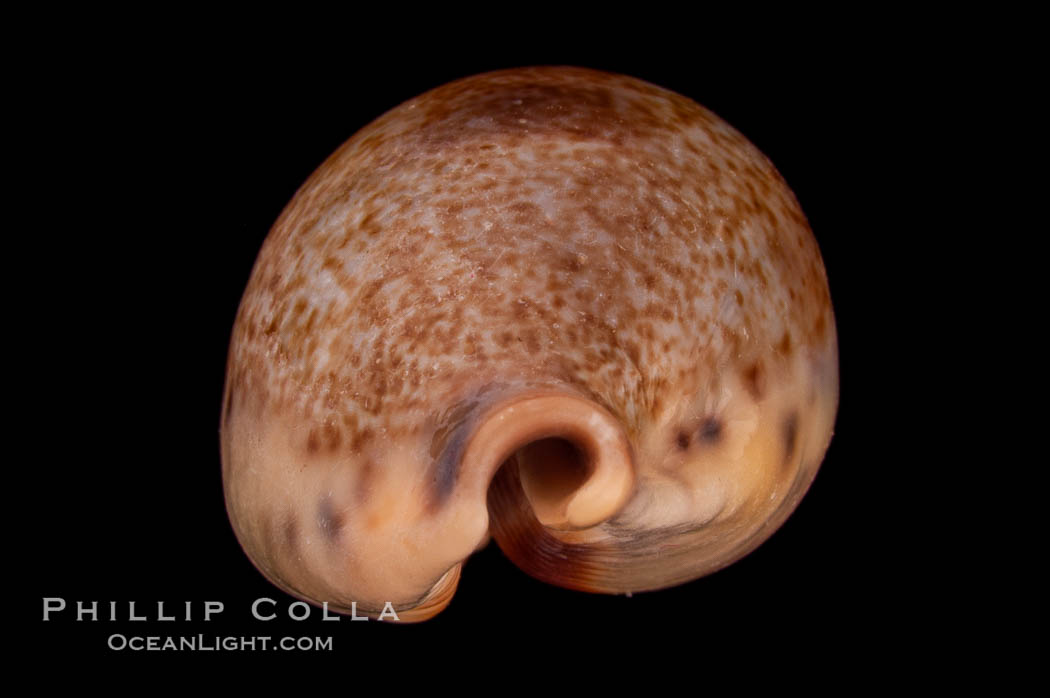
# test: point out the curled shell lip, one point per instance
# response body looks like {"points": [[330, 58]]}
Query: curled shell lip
{"points": [[576, 461]]}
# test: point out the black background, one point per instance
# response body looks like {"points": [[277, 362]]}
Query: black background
{"points": [[161, 167]]}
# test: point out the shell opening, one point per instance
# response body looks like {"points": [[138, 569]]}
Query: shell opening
{"points": [[552, 471], [573, 460]]}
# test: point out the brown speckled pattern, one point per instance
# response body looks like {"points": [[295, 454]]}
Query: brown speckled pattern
{"points": [[534, 227]]}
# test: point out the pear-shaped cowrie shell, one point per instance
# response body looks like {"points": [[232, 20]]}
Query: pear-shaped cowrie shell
{"points": [[567, 308]]}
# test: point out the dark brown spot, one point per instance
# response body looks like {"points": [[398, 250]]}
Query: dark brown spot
{"points": [[329, 520], [361, 438], [332, 436], [711, 430], [447, 446], [228, 407], [682, 440], [790, 436], [820, 327], [755, 380], [445, 470], [313, 442]]}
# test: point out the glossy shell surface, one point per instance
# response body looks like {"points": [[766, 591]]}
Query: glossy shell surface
{"points": [[530, 232]]}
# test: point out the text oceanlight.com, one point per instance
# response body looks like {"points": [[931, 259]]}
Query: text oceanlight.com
{"points": [[215, 643]]}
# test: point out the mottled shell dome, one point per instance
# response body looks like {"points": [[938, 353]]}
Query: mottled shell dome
{"points": [[567, 308]]}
